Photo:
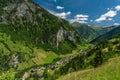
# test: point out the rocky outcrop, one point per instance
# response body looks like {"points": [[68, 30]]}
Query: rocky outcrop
{"points": [[1, 18], [9, 8], [63, 34], [14, 61], [25, 76]]}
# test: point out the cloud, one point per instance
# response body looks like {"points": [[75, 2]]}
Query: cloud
{"points": [[80, 18], [62, 15], [109, 15], [59, 7], [81, 15], [116, 24], [110, 19], [117, 8], [91, 20]]}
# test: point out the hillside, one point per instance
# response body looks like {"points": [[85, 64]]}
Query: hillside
{"points": [[87, 32], [36, 45], [30, 36], [108, 71], [94, 56], [32, 25], [111, 34], [90, 32]]}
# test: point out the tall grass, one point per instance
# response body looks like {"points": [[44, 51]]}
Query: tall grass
{"points": [[108, 71]]}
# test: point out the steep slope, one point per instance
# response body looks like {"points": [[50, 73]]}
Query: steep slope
{"points": [[108, 71], [25, 27], [86, 31], [111, 34], [32, 25], [94, 56], [90, 32], [107, 28]]}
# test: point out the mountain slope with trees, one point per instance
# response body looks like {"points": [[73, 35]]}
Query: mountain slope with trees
{"points": [[32, 25], [107, 48], [25, 27], [90, 32], [111, 34]]}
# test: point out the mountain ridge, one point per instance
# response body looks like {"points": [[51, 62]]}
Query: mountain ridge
{"points": [[90, 32], [39, 26], [25, 27], [111, 34]]}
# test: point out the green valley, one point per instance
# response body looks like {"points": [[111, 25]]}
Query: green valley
{"points": [[37, 45]]}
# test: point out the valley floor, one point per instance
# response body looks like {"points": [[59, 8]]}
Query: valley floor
{"points": [[108, 71]]}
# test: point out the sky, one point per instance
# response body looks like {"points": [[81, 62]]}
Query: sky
{"points": [[97, 12]]}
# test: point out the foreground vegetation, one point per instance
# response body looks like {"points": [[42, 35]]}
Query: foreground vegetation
{"points": [[91, 58], [110, 70]]}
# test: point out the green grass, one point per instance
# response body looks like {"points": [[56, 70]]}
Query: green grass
{"points": [[50, 57], [8, 75], [108, 71]]}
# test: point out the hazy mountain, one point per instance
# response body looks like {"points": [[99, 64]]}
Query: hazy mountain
{"points": [[90, 32], [114, 33]]}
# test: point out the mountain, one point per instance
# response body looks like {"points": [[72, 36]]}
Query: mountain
{"points": [[25, 27], [86, 31], [114, 33], [29, 23], [107, 46], [90, 32], [106, 29], [32, 41]]}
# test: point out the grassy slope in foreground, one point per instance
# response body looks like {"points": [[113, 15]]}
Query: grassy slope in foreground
{"points": [[108, 71]]}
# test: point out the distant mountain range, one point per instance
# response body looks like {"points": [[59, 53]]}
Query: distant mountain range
{"points": [[114, 33], [90, 32]]}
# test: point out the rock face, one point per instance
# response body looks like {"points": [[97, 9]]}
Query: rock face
{"points": [[1, 18], [18, 10], [14, 61], [25, 76], [10, 7], [64, 35]]}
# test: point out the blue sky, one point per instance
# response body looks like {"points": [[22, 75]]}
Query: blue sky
{"points": [[98, 12]]}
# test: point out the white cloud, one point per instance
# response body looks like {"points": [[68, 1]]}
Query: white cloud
{"points": [[117, 8], [116, 24], [62, 15], [81, 15], [59, 7], [110, 19], [80, 18], [109, 14]]}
